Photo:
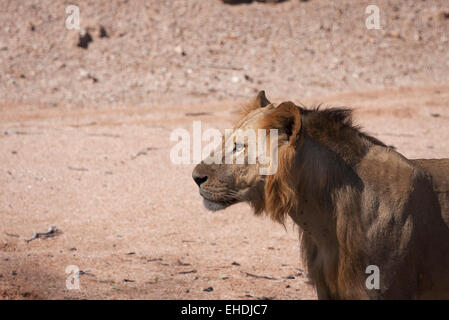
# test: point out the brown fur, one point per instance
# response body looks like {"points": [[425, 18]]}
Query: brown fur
{"points": [[280, 192], [357, 203]]}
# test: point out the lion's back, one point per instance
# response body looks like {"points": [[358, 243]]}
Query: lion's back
{"points": [[438, 169]]}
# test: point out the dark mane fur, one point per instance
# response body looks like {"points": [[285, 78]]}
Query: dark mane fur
{"points": [[333, 128]]}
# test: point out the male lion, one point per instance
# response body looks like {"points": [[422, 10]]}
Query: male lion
{"points": [[356, 201]]}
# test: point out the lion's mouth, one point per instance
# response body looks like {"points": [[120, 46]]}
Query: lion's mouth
{"points": [[214, 205]]}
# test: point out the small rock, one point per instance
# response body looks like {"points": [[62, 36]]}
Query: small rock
{"points": [[84, 75], [102, 33], [178, 50], [84, 39], [394, 34], [209, 289]]}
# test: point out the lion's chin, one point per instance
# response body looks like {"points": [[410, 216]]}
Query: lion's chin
{"points": [[214, 206]]}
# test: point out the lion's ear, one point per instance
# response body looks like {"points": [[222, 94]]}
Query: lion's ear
{"points": [[262, 100], [287, 119]]}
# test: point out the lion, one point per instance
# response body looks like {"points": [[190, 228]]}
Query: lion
{"points": [[357, 202]]}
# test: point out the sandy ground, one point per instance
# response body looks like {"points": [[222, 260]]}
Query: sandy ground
{"points": [[192, 51], [84, 133]]}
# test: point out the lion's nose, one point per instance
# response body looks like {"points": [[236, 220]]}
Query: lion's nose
{"points": [[199, 179]]}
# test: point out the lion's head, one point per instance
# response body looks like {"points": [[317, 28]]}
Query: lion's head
{"points": [[223, 184]]}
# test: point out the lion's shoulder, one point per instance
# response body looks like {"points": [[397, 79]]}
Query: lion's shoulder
{"points": [[438, 169], [387, 169], [438, 172]]}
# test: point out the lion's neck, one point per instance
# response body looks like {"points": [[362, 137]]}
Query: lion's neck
{"points": [[324, 181], [318, 174], [322, 178]]}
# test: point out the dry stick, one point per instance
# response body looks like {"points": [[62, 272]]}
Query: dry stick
{"points": [[258, 277], [143, 152], [87, 273], [51, 232], [187, 272], [180, 263], [109, 135], [223, 67], [77, 169], [12, 235], [21, 132]]}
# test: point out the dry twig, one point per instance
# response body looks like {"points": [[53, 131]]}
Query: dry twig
{"points": [[51, 232]]}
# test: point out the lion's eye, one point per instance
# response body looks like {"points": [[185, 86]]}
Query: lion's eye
{"points": [[238, 147]]}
